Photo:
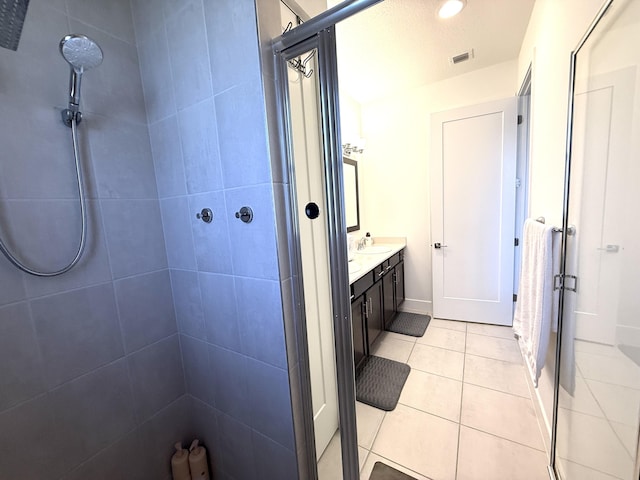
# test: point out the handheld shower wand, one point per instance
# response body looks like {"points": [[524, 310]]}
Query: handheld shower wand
{"points": [[82, 54]]}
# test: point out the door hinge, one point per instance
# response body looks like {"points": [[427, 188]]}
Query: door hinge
{"points": [[515, 297], [561, 282], [519, 119], [516, 242]]}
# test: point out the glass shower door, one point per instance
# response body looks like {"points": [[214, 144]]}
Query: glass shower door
{"points": [[599, 371]]}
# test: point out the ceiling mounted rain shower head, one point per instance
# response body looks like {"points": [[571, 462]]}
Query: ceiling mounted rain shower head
{"points": [[80, 52]]}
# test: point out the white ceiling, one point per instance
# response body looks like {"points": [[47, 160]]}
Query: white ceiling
{"points": [[401, 44]]}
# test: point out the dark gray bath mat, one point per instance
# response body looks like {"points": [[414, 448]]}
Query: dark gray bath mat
{"points": [[412, 324], [382, 471], [379, 382]]}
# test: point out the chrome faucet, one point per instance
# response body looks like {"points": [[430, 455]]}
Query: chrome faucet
{"points": [[361, 244]]}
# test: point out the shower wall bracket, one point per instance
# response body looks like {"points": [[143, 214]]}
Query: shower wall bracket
{"points": [[68, 115]]}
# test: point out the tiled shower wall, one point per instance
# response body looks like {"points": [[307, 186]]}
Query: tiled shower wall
{"points": [[206, 112], [91, 375]]}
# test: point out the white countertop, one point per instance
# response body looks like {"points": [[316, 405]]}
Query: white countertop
{"points": [[368, 262]]}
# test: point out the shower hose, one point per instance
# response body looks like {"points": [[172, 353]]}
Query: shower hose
{"points": [[83, 214]]}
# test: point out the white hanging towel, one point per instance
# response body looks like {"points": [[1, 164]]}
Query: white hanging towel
{"points": [[535, 308]]}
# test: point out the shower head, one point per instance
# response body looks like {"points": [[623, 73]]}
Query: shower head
{"points": [[82, 54]]}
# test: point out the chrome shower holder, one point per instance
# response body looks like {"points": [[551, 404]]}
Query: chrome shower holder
{"points": [[69, 115]]}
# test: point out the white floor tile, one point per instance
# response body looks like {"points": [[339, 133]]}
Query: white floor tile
{"points": [[619, 404], [419, 441], [363, 453], [443, 338], [482, 456], [437, 360], [591, 442], [597, 348], [397, 336], [433, 394], [330, 463], [365, 473], [493, 347], [368, 420], [607, 369], [393, 349], [628, 435], [507, 377], [571, 470], [490, 330], [450, 324], [507, 416], [582, 399]]}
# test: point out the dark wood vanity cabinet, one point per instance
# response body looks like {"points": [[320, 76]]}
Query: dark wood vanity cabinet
{"points": [[374, 302], [358, 331]]}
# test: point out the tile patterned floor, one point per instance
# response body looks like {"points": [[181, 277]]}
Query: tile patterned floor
{"points": [[465, 412]]}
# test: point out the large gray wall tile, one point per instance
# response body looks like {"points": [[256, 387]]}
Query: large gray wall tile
{"points": [[121, 155], [270, 402], [254, 244], [187, 303], [114, 88], [20, 365], [113, 16], [172, 424], [134, 236], [178, 237], [242, 133], [199, 139], [205, 423], [236, 449], [155, 69], [93, 267], [12, 281], [232, 61], [220, 310], [157, 376], [147, 18], [260, 320], [31, 445], [211, 240], [188, 55], [38, 157], [167, 157], [77, 332], [94, 410], [230, 377], [44, 235], [146, 309], [272, 460], [21, 71], [197, 370]]}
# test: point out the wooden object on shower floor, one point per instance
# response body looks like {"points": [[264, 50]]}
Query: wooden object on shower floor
{"points": [[380, 381], [412, 324], [382, 471]]}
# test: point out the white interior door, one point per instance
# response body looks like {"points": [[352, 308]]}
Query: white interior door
{"points": [[602, 117], [473, 165], [310, 187]]}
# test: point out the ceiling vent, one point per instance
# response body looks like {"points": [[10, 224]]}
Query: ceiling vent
{"points": [[461, 57]]}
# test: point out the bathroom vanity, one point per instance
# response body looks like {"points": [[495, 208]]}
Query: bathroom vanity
{"points": [[377, 291]]}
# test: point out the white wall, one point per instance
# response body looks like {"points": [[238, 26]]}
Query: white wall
{"points": [[394, 173], [554, 31]]}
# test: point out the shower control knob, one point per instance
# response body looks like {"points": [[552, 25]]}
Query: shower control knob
{"points": [[206, 215]]}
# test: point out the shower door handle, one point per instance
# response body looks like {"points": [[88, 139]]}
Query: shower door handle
{"points": [[610, 248]]}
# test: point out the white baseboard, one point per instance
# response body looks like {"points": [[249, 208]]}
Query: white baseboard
{"points": [[423, 307], [626, 335]]}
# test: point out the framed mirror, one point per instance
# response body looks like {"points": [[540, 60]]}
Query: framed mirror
{"points": [[351, 199]]}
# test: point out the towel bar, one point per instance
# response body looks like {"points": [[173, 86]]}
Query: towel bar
{"points": [[571, 230]]}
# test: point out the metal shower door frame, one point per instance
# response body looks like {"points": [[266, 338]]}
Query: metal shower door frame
{"points": [[319, 33]]}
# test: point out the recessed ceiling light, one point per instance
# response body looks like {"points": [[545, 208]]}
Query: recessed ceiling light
{"points": [[450, 8]]}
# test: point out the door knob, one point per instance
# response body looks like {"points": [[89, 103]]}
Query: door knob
{"points": [[312, 210], [438, 245], [611, 248]]}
